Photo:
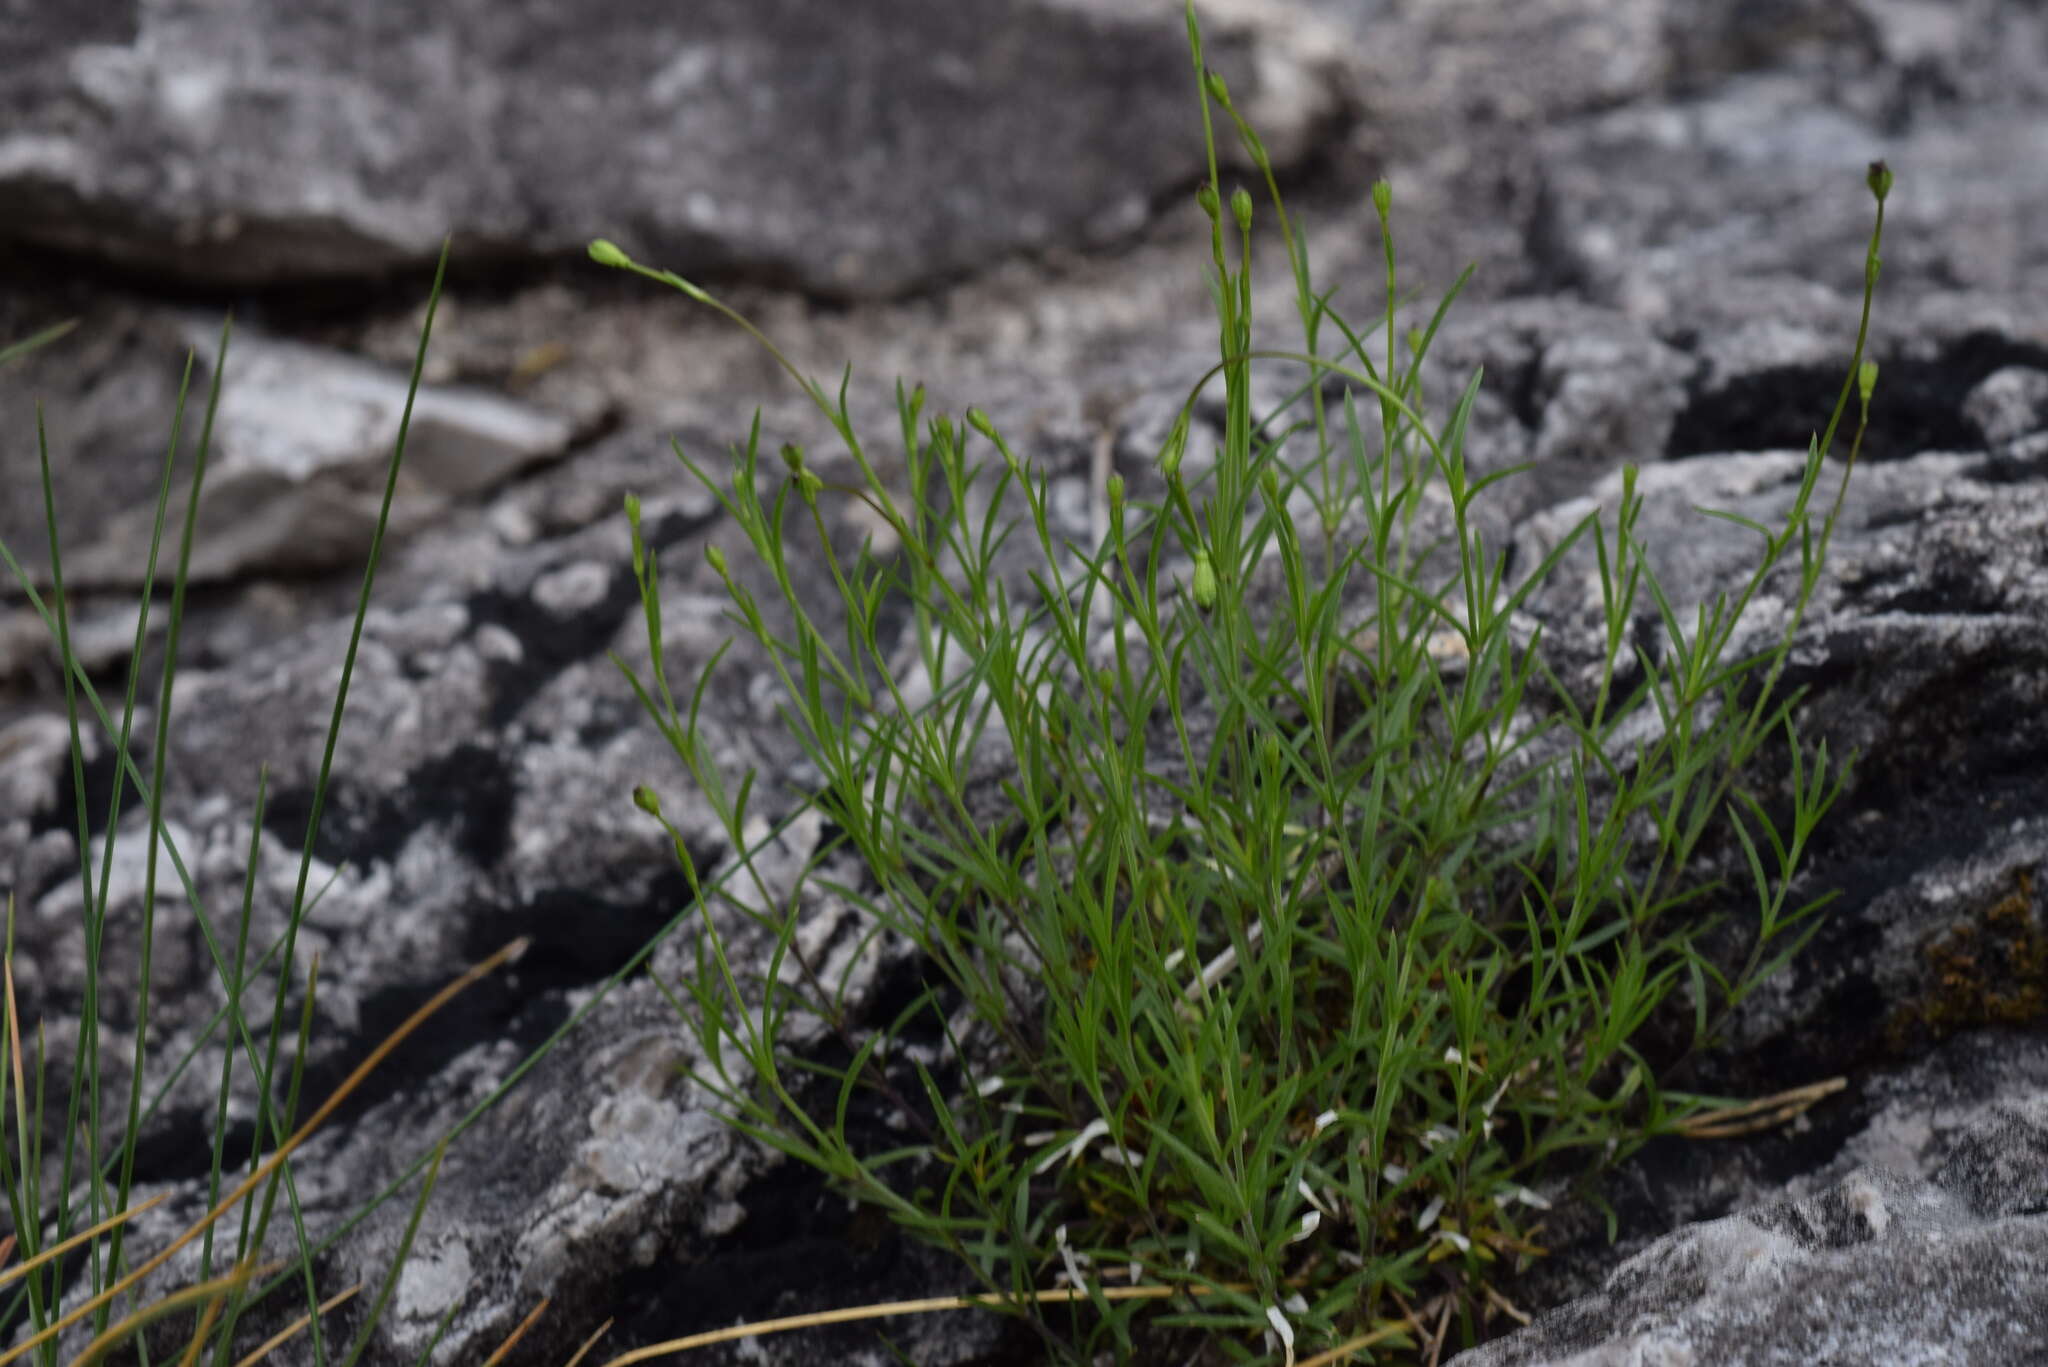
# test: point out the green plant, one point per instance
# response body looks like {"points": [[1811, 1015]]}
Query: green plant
{"points": [[1310, 934]]}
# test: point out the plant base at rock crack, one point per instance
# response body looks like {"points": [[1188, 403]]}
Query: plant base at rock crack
{"points": [[1284, 915]]}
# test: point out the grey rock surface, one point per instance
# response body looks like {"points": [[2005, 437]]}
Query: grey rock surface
{"points": [[243, 142], [1925, 1239], [1664, 199]]}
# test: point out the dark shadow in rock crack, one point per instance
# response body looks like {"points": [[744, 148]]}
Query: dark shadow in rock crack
{"points": [[577, 939], [62, 815], [1917, 406], [799, 1249], [550, 643], [469, 789]]}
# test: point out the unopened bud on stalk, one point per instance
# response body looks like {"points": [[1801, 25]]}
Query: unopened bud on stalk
{"points": [[1206, 197], [793, 457], [1176, 444], [646, 801], [1879, 180], [808, 484], [1218, 90], [1241, 209], [1116, 493], [715, 558], [605, 252], [1205, 581], [1254, 148], [1383, 198], [979, 421], [1866, 380]]}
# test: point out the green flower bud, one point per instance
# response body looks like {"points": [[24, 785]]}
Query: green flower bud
{"points": [[1879, 180], [793, 457], [1176, 444], [605, 252], [646, 801], [1218, 91], [1383, 198], [1241, 209], [715, 558], [1255, 148], [808, 484], [1205, 581], [978, 420], [1116, 493], [1866, 380], [1206, 197]]}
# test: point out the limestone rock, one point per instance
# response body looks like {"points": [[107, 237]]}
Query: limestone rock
{"points": [[854, 152]]}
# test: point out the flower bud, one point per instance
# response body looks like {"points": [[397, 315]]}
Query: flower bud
{"points": [[808, 484], [646, 801], [1241, 209], [793, 457], [1206, 197], [1382, 198], [1879, 180], [1205, 581], [1176, 443], [605, 252], [715, 558], [1218, 91], [1255, 148], [1116, 493], [979, 421], [1866, 380]]}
